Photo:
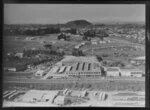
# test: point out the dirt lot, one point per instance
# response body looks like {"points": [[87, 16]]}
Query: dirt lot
{"points": [[113, 99]]}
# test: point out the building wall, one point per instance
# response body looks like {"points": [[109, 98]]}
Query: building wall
{"points": [[125, 73], [112, 73]]}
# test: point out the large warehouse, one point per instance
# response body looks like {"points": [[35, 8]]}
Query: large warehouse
{"points": [[72, 66], [78, 69], [85, 69]]}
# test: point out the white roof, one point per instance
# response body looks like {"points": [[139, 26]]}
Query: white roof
{"points": [[62, 69], [68, 68]]}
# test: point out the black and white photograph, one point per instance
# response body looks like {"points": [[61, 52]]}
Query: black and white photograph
{"points": [[74, 55]]}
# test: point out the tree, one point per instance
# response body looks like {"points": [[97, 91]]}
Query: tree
{"points": [[102, 34], [99, 58], [48, 46], [90, 33], [77, 52]]}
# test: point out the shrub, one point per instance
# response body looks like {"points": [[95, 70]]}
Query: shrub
{"points": [[105, 55]]}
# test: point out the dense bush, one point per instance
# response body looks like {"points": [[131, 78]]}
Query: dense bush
{"points": [[77, 52], [63, 36], [99, 58]]}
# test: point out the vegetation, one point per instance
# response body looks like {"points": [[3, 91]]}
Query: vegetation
{"points": [[99, 58], [92, 33], [30, 58], [63, 36], [77, 52], [30, 31], [48, 46], [72, 31]]}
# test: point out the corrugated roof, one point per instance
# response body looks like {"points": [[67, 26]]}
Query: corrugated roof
{"points": [[81, 67], [86, 66], [89, 66], [68, 68]]}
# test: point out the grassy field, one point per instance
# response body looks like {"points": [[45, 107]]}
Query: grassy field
{"points": [[10, 43]]}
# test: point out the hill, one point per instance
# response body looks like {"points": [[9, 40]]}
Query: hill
{"points": [[78, 23]]}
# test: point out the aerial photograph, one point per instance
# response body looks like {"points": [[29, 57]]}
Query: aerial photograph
{"points": [[74, 55]]}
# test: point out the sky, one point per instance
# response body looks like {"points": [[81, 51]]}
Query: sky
{"points": [[62, 13]]}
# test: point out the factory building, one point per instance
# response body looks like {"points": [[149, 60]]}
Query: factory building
{"points": [[85, 69], [78, 69]]}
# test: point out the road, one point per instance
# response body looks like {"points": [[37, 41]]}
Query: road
{"points": [[71, 80]]}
